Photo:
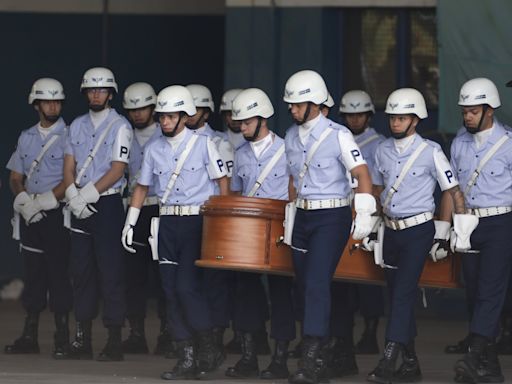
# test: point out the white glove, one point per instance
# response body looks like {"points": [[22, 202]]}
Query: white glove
{"points": [[463, 227], [439, 249], [77, 201], [25, 205], [46, 201], [364, 205], [368, 243], [89, 193], [127, 236]]}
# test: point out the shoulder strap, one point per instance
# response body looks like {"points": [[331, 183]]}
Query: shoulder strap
{"points": [[39, 157], [179, 166], [368, 140], [484, 161], [312, 151], [405, 169], [95, 150], [264, 173]]}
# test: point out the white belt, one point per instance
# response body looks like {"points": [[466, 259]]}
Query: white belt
{"points": [[179, 210], [399, 224], [490, 211], [150, 200], [322, 204], [111, 191]]}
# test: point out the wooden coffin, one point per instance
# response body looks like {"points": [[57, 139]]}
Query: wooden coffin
{"points": [[244, 234]]}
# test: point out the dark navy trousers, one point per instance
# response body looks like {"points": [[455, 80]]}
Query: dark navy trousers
{"points": [[98, 262], [179, 246], [319, 237], [487, 273], [220, 292], [407, 250], [45, 249], [141, 269]]}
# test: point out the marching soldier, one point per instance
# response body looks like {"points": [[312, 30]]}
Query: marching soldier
{"points": [[36, 181], [323, 217], [404, 176], [183, 168], [260, 171], [94, 166], [482, 157], [139, 101]]}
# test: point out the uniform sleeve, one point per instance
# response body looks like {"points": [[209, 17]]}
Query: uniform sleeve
{"points": [[146, 169], [68, 148], [15, 163], [351, 155], [377, 178], [445, 175], [216, 167], [122, 144], [236, 181], [226, 152]]}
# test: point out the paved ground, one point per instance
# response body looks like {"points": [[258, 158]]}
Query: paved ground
{"points": [[434, 334]]}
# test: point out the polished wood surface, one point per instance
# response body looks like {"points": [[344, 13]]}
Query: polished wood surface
{"points": [[243, 233]]}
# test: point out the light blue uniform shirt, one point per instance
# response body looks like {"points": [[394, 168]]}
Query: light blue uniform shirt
{"points": [[196, 181], [247, 169], [136, 156], [493, 187], [415, 193], [48, 174], [368, 149], [326, 177], [116, 145]]}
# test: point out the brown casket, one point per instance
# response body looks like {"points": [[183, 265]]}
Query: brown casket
{"points": [[244, 233]]}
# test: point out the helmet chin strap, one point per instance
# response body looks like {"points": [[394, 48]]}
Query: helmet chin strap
{"points": [[256, 131], [401, 135], [306, 115], [173, 132], [474, 131]]}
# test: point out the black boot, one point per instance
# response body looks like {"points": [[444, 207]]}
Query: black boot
{"points": [[296, 352], [278, 368], [209, 355], [136, 341], [113, 350], [458, 349], [384, 371], [343, 359], [234, 346], [307, 372], [409, 371], [61, 336], [164, 344], [504, 344], [466, 369], [261, 342], [490, 369], [247, 366], [368, 344], [185, 368], [81, 347], [27, 342]]}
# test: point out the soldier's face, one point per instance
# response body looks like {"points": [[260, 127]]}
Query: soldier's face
{"points": [[233, 125], [248, 126], [50, 109], [98, 98], [472, 116], [399, 123], [356, 122], [141, 117]]}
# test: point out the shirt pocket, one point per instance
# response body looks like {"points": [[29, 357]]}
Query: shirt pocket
{"points": [[322, 170], [493, 170], [193, 175], [417, 172]]}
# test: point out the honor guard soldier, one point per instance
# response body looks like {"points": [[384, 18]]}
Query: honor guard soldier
{"points": [[404, 175], [261, 171], [357, 109], [94, 166], [36, 181], [139, 103], [482, 159], [323, 217], [183, 168]]}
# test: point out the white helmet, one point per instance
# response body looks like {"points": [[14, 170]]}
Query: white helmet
{"points": [[175, 98], [202, 96], [226, 104], [46, 89], [252, 102], [479, 91], [356, 102], [139, 95], [329, 103], [98, 77], [305, 86], [405, 101]]}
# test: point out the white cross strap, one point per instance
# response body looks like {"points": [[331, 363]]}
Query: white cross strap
{"points": [[39, 157], [264, 173]]}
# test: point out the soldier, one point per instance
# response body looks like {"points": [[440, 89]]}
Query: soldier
{"points": [[36, 181]]}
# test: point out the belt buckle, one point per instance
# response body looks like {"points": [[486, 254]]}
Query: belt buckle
{"points": [[305, 204], [401, 224]]}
